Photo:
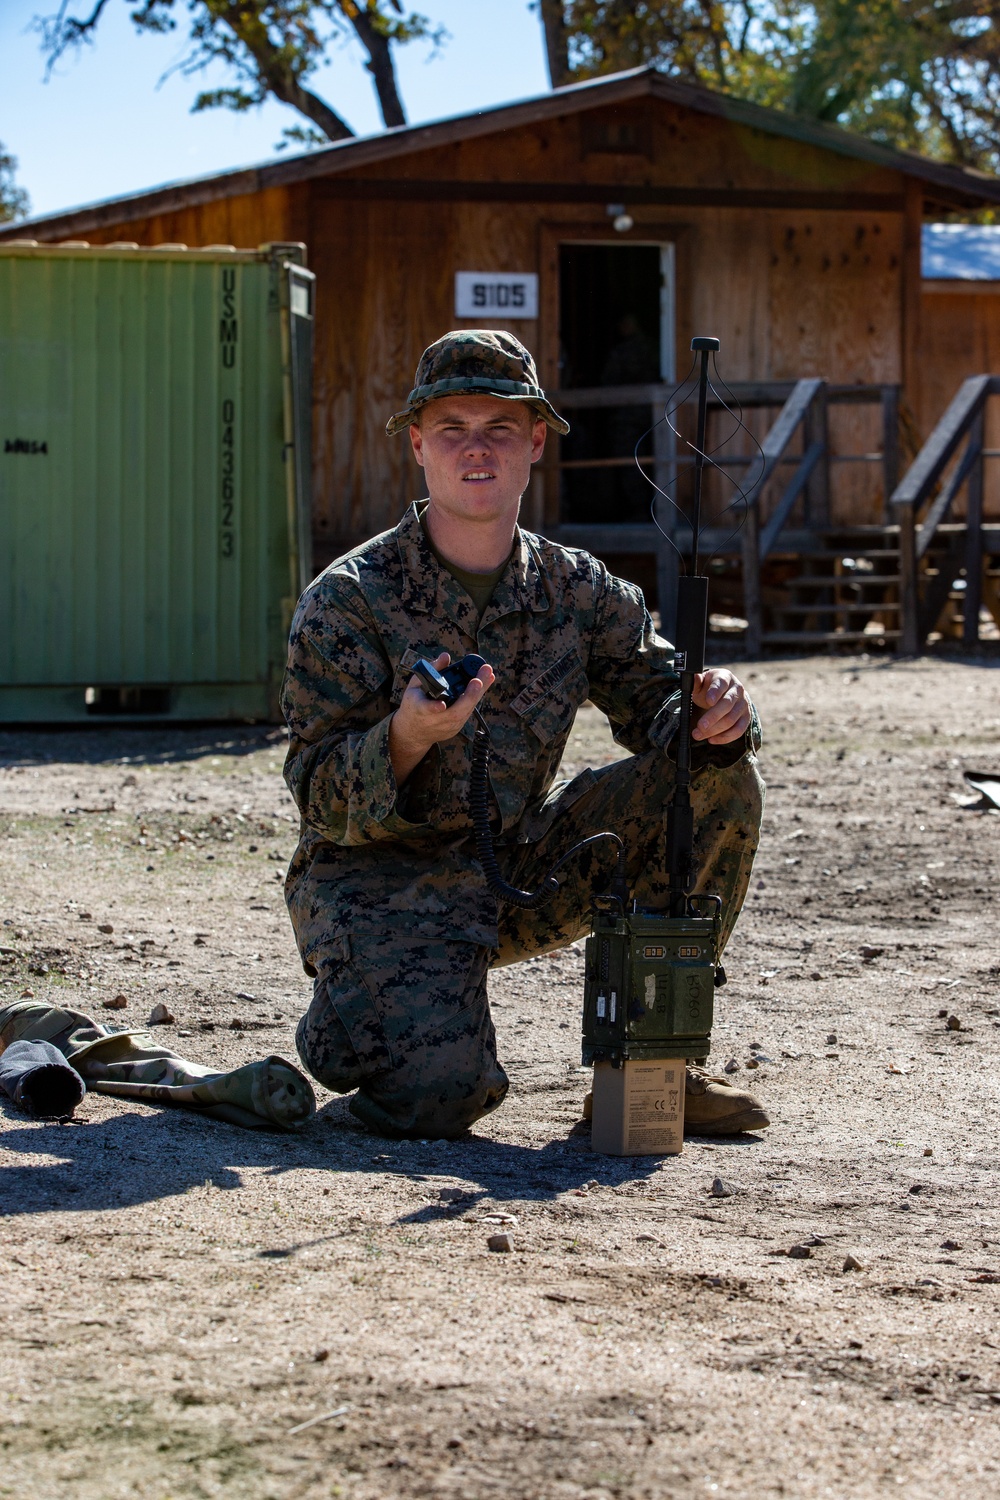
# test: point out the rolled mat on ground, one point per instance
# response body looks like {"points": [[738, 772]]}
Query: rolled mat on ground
{"points": [[267, 1095], [37, 1078]]}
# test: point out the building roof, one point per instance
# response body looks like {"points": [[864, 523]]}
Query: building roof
{"points": [[954, 186], [961, 252]]}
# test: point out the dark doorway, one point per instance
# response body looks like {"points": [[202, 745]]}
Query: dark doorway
{"points": [[615, 316]]}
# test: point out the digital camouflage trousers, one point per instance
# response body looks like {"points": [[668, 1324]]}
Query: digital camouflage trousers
{"points": [[406, 1021]]}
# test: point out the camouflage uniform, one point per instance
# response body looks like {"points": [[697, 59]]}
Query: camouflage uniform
{"points": [[389, 905]]}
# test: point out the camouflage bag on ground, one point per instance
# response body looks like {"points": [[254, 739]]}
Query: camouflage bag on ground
{"points": [[267, 1095]]}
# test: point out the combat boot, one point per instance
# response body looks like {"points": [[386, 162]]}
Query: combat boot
{"points": [[714, 1106]]}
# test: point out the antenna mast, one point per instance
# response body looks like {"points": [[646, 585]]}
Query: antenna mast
{"points": [[689, 659]]}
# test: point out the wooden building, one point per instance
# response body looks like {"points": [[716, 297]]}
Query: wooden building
{"points": [[637, 210]]}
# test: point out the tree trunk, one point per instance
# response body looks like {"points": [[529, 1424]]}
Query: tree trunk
{"points": [[556, 41], [380, 64]]}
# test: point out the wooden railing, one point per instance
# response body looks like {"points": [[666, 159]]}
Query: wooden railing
{"points": [[607, 538], [798, 411], [807, 407], [803, 405], [963, 419]]}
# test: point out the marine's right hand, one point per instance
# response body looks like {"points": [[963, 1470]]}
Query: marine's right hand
{"points": [[420, 722]]}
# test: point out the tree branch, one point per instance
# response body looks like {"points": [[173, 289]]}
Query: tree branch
{"points": [[60, 33], [715, 41], [287, 88], [313, 107], [380, 64]]}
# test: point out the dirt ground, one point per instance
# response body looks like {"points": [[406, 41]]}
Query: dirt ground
{"points": [[193, 1310]]}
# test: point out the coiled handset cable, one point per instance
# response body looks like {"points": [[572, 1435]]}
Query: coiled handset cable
{"points": [[447, 687]]}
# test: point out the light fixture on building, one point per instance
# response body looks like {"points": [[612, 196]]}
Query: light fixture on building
{"points": [[621, 221]]}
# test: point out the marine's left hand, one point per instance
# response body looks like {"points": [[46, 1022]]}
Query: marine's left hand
{"points": [[725, 705]]}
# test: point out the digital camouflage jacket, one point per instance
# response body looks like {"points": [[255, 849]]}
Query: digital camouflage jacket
{"points": [[559, 629]]}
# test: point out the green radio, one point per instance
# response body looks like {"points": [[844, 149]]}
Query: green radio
{"points": [[650, 980]]}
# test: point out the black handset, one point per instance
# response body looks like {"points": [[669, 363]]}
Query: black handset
{"points": [[449, 685]]}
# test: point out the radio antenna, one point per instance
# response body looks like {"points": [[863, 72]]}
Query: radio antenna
{"points": [[689, 660], [702, 347]]}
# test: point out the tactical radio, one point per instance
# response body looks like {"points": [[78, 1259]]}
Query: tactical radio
{"points": [[651, 976], [650, 983]]}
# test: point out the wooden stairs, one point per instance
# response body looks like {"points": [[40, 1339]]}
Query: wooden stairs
{"points": [[846, 592], [793, 578]]}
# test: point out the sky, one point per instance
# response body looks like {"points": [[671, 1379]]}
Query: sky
{"points": [[108, 121]]}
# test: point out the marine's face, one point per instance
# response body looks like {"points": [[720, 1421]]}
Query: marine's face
{"points": [[477, 453]]}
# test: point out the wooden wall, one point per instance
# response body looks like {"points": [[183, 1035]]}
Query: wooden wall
{"points": [[245, 222], [788, 297], [385, 291], [790, 293], [960, 336]]}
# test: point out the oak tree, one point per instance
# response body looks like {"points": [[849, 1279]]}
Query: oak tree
{"points": [[919, 74]]}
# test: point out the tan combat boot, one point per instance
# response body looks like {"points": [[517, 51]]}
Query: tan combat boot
{"points": [[712, 1106]]}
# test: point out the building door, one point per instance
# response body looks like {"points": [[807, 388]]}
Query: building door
{"points": [[616, 328]]}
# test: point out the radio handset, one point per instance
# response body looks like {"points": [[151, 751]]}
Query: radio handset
{"points": [[447, 687]]}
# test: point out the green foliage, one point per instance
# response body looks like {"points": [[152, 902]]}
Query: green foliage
{"points": [[302, 136], [923, 74], [723, 46], [917, 74], [14, 201]]}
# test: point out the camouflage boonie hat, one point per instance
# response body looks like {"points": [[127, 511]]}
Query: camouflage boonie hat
{"points": [[468, 361]]}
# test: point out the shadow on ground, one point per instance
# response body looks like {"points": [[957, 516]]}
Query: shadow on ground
{"points": [[93, 744], [148, 1156]]}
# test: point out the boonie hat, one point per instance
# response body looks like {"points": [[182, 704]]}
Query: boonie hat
{"points": [[476, 361]]}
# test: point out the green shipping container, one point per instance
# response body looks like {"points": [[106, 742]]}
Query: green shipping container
{"points": [[154, 478]]}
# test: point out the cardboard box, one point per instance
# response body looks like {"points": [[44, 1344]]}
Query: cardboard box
{"points": [[639, 1108]]}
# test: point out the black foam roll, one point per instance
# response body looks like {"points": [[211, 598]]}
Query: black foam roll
{"points": [[37, 1078]]}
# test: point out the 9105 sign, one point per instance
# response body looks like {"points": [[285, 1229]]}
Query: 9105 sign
{"points": [[490, 294]]}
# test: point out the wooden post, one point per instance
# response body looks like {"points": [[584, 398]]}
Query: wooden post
{"points": [[751, 580], [974, 537], [964, 416], [909, 643], [890, 447], [547, 354]]}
